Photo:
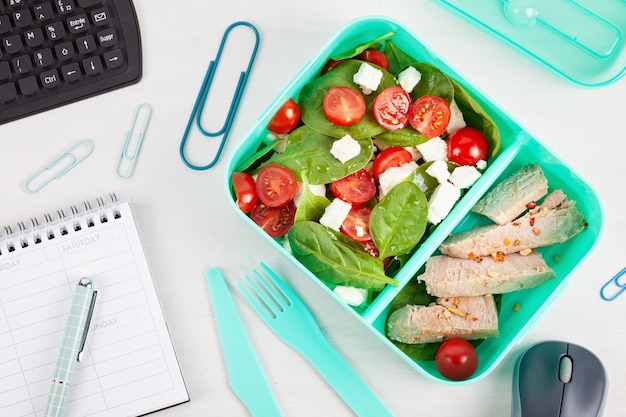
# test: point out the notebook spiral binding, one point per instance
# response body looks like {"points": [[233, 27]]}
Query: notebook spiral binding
{"points": [[59, 225]]}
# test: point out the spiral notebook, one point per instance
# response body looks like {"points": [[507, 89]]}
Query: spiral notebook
{"points": [[129, 366]]}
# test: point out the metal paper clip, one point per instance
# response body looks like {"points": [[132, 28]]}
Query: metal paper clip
{"points": [[59, 166], [125, 166], [613, 287], [198, 107]]}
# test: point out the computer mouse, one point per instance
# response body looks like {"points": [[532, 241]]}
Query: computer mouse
{"points": [[558, 379]]}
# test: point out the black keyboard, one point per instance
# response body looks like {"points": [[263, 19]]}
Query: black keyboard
{"points": [[56, 52]]}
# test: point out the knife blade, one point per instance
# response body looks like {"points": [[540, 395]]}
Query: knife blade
{"points": [[245, 375]]}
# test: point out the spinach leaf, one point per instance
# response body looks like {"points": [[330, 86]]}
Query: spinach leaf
{"points": [[311, 101], [404, 137], [263, 150], [335, 259], [426, 182], [398, 221], [310, 206], [398, 59], [309, 151], [433, 82], [375, 44]]}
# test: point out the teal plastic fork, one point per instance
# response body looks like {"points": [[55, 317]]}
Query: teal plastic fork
{"points": [[287, 315]]}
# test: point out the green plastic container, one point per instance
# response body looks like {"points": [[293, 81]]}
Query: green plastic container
{"points": [[582, 40], [517, 149]]}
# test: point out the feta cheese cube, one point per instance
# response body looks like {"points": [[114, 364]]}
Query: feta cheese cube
{"points": [[409, 78], [433, 149], [482, 164], [394, 176], [464, 176], [439, 170], [441, 201], [345, 148], [456, 118], [335, 214], [351, 295], [368, 78]]}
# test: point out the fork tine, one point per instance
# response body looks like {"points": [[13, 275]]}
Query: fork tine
{"points": [[285, 292], [261, 307]]}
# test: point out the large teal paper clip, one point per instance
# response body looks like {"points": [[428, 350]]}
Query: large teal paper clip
{"points": [[198, 108], [58, 167]]}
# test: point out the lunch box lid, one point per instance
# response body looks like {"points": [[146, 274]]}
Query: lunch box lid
{"points": [[580, 40]]}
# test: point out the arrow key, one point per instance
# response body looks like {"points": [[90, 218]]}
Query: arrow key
{"points": [[71, 72]]}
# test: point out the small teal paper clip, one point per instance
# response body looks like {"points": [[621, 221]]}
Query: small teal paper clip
{"points": [[198, 107], [613, 287], [126, 162], [59, 166]]}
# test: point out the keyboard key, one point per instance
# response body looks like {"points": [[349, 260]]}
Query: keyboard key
{"points": [[22, 18], [100, 17], [65, 51], [29, 85], [34, 37], [22, 64], [44, 58], [5, 71], [5, 24], [14, 3], [92, 65], [78, 24], [64, 6], [71, 72], [50, 78], [8, 92], [55, 31], [88, 3], [113, 59], [13, 44], [43, 12], [107, 38], [86, 44]]}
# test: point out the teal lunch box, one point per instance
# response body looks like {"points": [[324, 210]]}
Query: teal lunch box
{"points": [[517, 149]]}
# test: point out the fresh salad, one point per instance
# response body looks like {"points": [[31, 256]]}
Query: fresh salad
{"points": [[360, 167]]}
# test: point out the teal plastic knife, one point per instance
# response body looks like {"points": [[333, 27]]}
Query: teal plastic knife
{"points": [[244, 372]]}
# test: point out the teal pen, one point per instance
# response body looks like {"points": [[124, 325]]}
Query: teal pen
{"points": [[72, 346]]}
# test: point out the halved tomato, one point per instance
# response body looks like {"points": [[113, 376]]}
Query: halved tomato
{"points": [[356, 188], [275, 185], [375, 57], [356, 224], [390, 108], [429, 115], [245, 190], [275, 221], [391, 157], [343, 106]]}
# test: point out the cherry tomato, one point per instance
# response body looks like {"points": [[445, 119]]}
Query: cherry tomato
{"points": [[429, 115], [356, 224], [391, 157], [330, 64], [390, 108], [375, 57], [275, 185], [286, 118], [356, 188], [245, 191], [275, 221], [343, 106], [456, 359], [467, 146]]}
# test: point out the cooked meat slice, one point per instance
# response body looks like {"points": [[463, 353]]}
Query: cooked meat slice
{"points": [[446, 276], [508, 199], [537, 228], [553, 199], [464, 317]]}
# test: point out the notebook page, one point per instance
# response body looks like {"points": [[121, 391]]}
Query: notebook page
{"points": [[129, 366]]}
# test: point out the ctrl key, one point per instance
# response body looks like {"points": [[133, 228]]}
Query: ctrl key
{"points": [[50, 79], [8, 92]]}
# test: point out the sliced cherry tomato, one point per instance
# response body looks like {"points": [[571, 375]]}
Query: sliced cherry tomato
{"points": [[375, 57], [356, 224], [286, 118], [275, 221], [467, 146], [391, 157], [456, 359], [275, 185], [356, 188], [330, 64], [429, 115], [343, 106], [390, 108], [245, 191]]}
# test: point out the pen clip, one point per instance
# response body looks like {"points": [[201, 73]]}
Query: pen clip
{"points": [[85, 282]]}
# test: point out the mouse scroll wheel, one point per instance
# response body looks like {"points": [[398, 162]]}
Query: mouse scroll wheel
{"points": [[565, 369]]}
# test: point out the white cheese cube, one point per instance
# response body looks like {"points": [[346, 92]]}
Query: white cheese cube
{"points": [[482, 164], [368, 78], [456, 118], [464, 176], [394, 176], [409, 78], [345, 149], [439, 170], [351, 295], [441, 201], [335, 214], [433, 149], [317, 189]]}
